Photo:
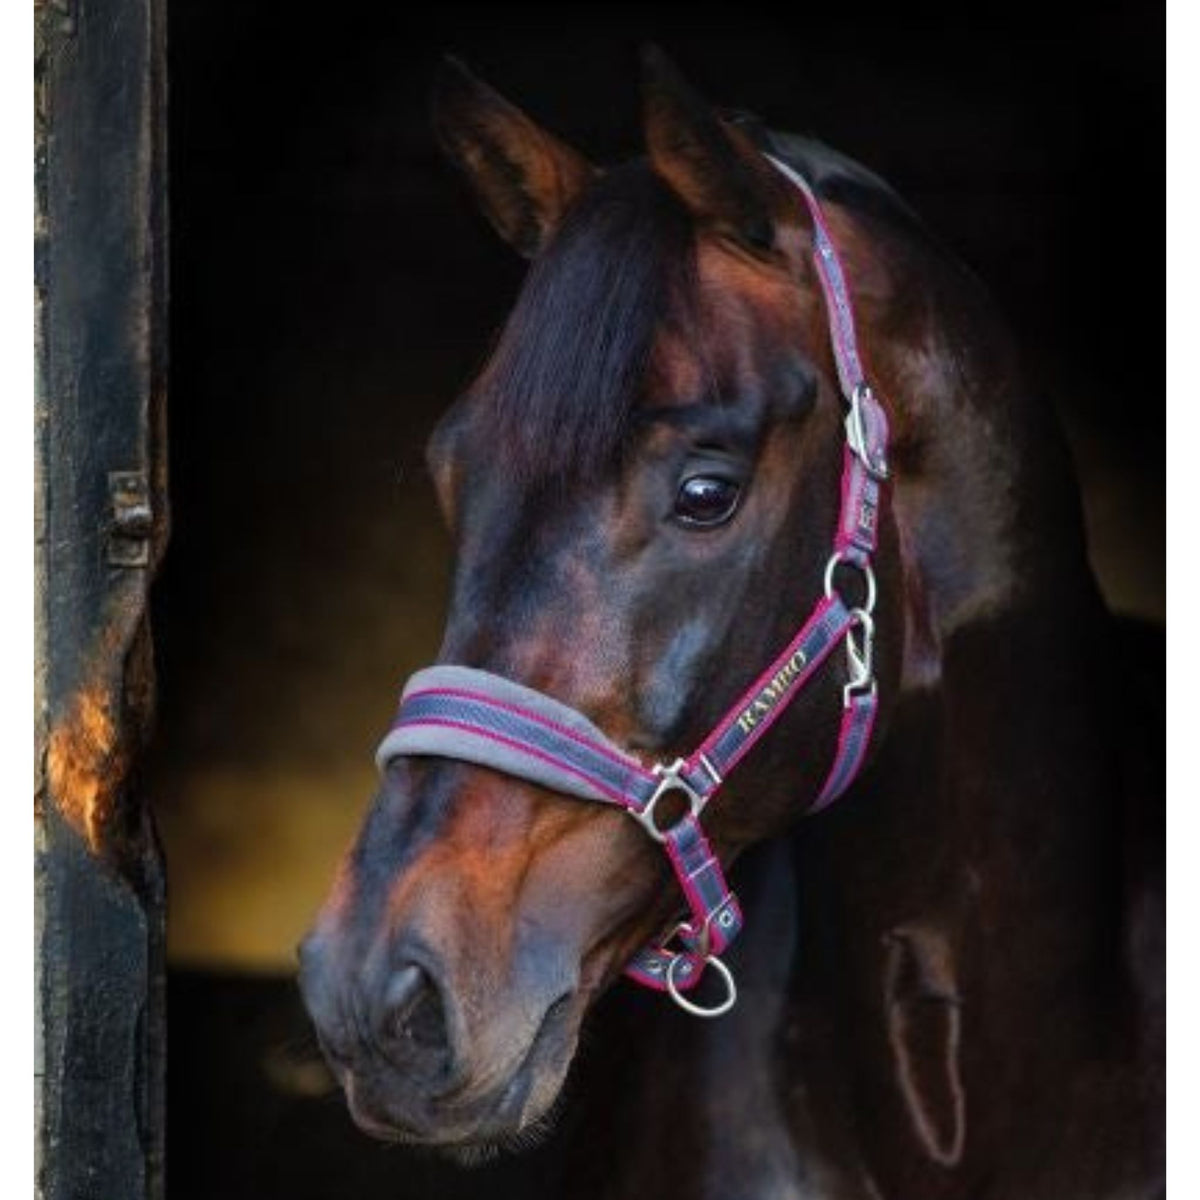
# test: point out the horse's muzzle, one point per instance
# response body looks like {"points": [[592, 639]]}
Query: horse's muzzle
{"points": [[413, 1069]]}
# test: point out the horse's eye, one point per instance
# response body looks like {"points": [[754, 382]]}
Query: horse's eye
{"points": [[706, 500]]}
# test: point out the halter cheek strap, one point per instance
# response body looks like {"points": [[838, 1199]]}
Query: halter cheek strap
{"points": [[474, 716]]}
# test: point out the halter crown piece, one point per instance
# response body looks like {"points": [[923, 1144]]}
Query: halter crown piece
{"points": [[477, 717]]}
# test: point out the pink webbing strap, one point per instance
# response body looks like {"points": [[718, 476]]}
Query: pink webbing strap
{"points": [[854, 735], [833, 284], [866, 423], [765, 700]]}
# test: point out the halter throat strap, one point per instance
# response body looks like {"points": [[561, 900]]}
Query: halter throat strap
{"points": [[474, 716]]}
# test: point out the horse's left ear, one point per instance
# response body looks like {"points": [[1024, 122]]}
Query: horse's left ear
{"points": [[524, 177], [710, 163]]}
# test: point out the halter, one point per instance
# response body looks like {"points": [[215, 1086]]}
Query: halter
{"points": [[474, 716]]}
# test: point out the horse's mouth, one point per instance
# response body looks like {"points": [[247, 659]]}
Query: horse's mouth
{"points": [[470, 1137], [465, 1126]]}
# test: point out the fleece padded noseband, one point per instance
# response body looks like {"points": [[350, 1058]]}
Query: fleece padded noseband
{"points": [[474, 716]]}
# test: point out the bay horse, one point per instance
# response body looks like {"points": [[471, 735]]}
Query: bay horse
{"points": [[949, 983]]}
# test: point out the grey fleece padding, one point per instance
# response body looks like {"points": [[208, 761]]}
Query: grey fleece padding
{"points": [[621, 776]]}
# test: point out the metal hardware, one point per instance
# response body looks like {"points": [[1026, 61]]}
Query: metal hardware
{"points": [[837, 558], [710, 960], [856, 431], [672, 781], [693, 942], [131, 521], [700, 941], [860, 662]]}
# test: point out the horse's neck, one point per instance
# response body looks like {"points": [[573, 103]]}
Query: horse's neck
{"points": [[968, 890], [1000, 729], [961, 918], [925, 974], [999, 784], [984, 496], [997, 791]]}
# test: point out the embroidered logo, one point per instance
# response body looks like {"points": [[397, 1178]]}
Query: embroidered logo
{"points": [[772, 693]]}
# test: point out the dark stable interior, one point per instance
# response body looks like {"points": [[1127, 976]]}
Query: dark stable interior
{"points": [[332, 288]]}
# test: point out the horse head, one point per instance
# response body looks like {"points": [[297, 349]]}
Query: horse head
{"points": [[643, 485]]}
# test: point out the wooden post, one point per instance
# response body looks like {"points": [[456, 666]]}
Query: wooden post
{"points": [[101, 516]]}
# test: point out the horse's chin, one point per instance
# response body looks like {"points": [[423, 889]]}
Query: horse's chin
{"points": [[519, 1117], [479, 1153], [475, 1149]]}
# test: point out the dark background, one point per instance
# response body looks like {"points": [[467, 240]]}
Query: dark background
{"points": [[332, 287]]}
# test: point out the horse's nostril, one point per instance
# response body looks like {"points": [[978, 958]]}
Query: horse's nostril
{"points": [[413, 1009], [404, 990]]}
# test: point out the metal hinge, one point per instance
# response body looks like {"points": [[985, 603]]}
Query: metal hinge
{"points": [[131, 519], [59, 16]]}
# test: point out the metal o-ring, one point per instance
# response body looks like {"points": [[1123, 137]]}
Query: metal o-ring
{"points": [[710, 960], [835, 560]]}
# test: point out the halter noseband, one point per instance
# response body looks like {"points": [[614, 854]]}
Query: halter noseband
{"points": [[477, 717]]}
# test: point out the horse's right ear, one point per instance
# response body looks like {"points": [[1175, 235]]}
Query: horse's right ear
{"points": [[524, 177]]}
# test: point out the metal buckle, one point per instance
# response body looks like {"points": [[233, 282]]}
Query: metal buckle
{"points": [[859, 662], [838, 557], [710, 960], [672, 781], [700, 941], [856, 431]]}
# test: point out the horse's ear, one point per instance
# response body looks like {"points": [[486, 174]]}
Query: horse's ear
{"points": [[710, 163], [524, 177]]}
